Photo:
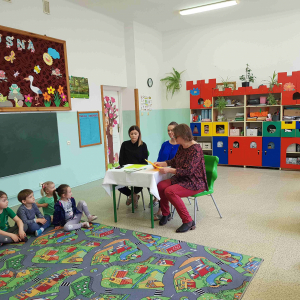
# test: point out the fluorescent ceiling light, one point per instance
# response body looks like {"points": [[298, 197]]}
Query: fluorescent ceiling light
{"points": [[198, 9]]}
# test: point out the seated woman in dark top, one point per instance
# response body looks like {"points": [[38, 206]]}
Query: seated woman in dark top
{"points": [[167, 151], [133, 151], [189, 177]]}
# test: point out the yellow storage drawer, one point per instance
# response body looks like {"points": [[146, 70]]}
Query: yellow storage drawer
{"points": [[206, 129], [220, 128], [288, 125]]}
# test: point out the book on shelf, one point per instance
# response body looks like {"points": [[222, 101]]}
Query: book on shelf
{"points": [[261, 118], [239, 119], [230, 105], [251, 119]]}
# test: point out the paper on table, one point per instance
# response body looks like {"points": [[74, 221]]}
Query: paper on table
{"points": [[135, 166]]}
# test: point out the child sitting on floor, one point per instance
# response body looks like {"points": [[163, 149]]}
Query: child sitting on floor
{"points": [[10, 234], [47, 201], [66, 214], [28, 211]]}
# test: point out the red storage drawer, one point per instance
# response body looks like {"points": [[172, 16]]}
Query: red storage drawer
{"points": [[236, 151], [253, 151]]}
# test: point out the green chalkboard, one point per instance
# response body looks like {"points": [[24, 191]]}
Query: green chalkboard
{"points": [[28, 141]]}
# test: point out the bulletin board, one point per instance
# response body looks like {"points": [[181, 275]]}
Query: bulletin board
{"points": [[33, 72], [89, 128]]}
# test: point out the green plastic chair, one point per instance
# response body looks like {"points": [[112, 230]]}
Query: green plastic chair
{"points": [[211, 164]]}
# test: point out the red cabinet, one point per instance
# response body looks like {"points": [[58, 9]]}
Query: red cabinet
{"points": [[236, 150], [253, 151], [285, 142]]}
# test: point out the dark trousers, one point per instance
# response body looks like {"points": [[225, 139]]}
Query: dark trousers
{"points": [[126, 191], [36, 226], [15, 230]]}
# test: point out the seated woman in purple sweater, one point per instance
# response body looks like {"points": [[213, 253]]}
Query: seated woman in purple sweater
{"points": [[167, 151], [188, 167]]}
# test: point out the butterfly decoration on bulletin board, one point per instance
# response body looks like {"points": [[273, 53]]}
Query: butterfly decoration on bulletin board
{"points": [[11, 57]]}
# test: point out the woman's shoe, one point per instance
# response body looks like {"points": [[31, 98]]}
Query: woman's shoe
{"points": [[157, 217], [164, 220], [186, 227], [128, 201]]}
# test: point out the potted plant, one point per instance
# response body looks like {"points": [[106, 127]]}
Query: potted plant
{"points": [[226, 83], [272, 82], [248, 77], [172, 82], [271, 100], [221, 104]]}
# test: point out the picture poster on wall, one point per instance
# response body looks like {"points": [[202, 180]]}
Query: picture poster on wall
{"points": [[33, 72], [146, 104], [89, 128], [79, 87]]}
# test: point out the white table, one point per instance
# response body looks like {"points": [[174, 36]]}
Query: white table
{"points": [[148, 177]]}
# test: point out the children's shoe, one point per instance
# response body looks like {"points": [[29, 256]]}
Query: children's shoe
{"points": [[85, 225], [92, 218], [39, 232], [155, 203]]}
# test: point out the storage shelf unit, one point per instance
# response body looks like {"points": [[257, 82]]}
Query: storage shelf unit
{"points": [[269, 147]]}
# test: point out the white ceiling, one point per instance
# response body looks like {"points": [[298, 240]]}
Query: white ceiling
{"points": [[163, 15]]}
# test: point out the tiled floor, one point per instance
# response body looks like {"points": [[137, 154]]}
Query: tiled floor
{"points": [[261, 217]]}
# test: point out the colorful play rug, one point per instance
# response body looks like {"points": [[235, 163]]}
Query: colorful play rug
{"points": [[105, 262]]}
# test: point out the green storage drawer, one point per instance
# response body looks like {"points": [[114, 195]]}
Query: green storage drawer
{"points": [[297, 132], [288, 134], [272, 129]]}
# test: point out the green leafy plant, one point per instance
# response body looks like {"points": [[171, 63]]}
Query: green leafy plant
{"points": [[226, 83], [221, 104], [273, 81], [57, 99], [47, 103], [173, 82], [271, 100], [66, 104], [248, 77]]}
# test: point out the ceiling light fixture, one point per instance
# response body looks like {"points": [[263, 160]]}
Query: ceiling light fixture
{"points": [[203, 8]]}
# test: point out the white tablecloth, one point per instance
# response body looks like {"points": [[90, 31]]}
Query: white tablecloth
{"points": [[148, 178]]}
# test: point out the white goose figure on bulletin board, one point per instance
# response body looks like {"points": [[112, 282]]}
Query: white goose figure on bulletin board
{"points": [[35, 89]]}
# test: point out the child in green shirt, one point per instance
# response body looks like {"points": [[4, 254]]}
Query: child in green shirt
{"points": [[10, 234], [47, 201]]}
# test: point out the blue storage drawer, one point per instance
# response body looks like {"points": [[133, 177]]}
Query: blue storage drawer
{"points": [[220, 149]]}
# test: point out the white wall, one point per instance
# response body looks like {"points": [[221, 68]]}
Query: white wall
{"points": [[148, 62], [266, 43]]}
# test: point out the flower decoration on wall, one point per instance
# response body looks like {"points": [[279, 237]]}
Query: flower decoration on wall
{"points": [[110, 110], [60, 89], [63, 97], [207, 103], [289, 86], [28, 98], [47, 97], [51, 90], [195, 92]]}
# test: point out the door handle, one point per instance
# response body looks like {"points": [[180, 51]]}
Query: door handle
{"points": [[265, 152], [224, 150], [258, 152], [230, 151]]}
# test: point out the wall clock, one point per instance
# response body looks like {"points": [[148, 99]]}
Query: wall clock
{"points": [[150, 82]]}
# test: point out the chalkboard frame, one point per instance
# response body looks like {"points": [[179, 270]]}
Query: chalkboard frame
{"points": [[79, 129], [29, 36]]}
